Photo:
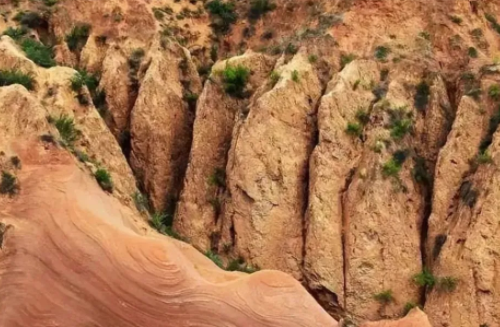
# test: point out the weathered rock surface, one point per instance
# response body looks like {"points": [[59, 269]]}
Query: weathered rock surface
{"points": [[215, 119], [415, 318]]}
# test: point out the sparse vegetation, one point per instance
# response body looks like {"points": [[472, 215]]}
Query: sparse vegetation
{"points": [[400, 122], [472, 52], [30, 19], [384, 297], [104, 180], [274, 77], [420, 172], [191, 99], [312, 58], [235, 79], [381, 52], [9, 77], [141, 202], [362, 116], [240, 265], [9, 184], [222, 14], [425, 279], [468, 194], [78, 36], [66, 127], [259, 8], [447, 284], [218, 178], [291, 49], [215, 258], [455, 19], [157, 220], [16, 33], [422, 96], [494, 92], [408, 307], [41, 54], [354, 129], [493, 22], [484, 158], [82, 78], [295, 76], [16, 162], [488, 138], [346, 59], [50, 3], [391, 168]]}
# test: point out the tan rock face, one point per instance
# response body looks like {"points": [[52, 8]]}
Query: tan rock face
{"points": [[415, 318], [161, 124], [215, 118], [267, 170]]}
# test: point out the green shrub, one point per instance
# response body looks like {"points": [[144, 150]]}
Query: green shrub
{"points": [[82, 78], [408, 307], [274, 77], [384, 297], [82, 156], [16, 162], [494, 92], [346, 59], [216, 205], [50, 3], [240, 265], [104, 180], [421, 99], [218, 178], [259, 8], [391, 168], [381, 52], [420, 172], [16, 33], [30, 18], [235, 79], [472, 52], [222, 15], [493, 21], [455, 19], [354, 129], [191, 99], [425, 35], [66, 127], [362, 116], [425, 279], [9, 184], [400, 122], [41, 54], [215, 258], [295, 76], [312, 58], [158, 220], [77, 38], [291, 49], [484, 158], [9, 77], [447, 284]]}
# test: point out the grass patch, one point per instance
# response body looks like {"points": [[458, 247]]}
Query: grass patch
{"points": [[381, 52], [408, 307], [77, 38], [400, 122], [447, 284], [222, 15], [9, 77], [295, 76], [39, 53], [240, 265], [82, 78], [235, 78], [346, 59], [141, 202], [312, 58], [494, 92], [104, 180], [455, 19], [472, 52], [9, 184], [425, 279], [215, 258], [354, 129], [384, 297], [274, 77], [66, 127], [16, 33]]}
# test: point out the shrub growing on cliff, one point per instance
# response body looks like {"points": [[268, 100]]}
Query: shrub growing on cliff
{"points": [[66, 127], [222, 15], [346, 59], [218, 178], [9, 184], [295, 76], [9, 77], [104, 180], [425, 279], [400, 122], [41, 54], [447, 284], [30, 18], [381, 52], [472, 52], [77, 38], [408, 307], [384, 297], [16, 33], [82, 78], [354, 129], [274, 77], [494, 92], [422, 96], [235, 79], [158, 220], [215, 258]]}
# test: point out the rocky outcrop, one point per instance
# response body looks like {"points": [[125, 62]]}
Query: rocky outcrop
{"points": [[331, 170], [161, 123], [416, 318], [216, 114], [267, 171]]}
